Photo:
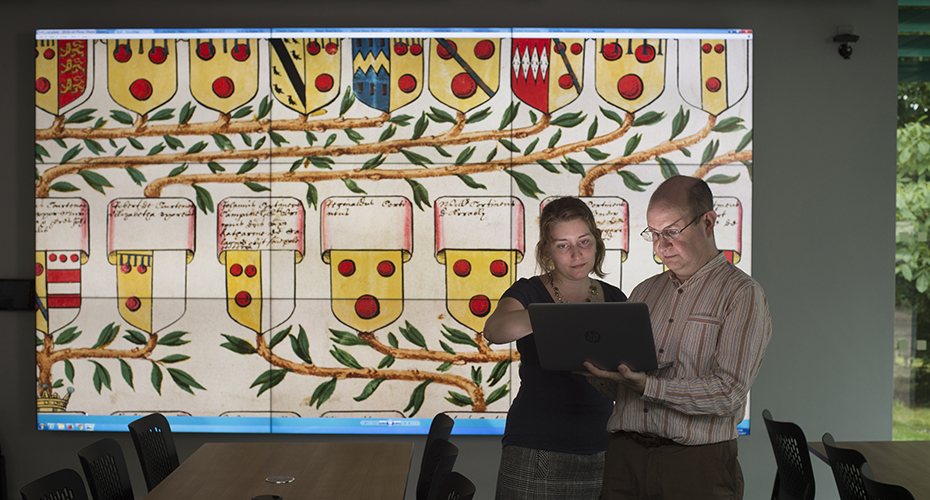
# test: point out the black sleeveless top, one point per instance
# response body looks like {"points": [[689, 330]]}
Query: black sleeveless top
{"points": [[555, 411]]}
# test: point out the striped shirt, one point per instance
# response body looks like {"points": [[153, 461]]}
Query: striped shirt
{"points": [[714, 327]]}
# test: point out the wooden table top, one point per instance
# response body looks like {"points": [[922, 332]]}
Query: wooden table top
{"points": [[237, 471], [905, 463]]}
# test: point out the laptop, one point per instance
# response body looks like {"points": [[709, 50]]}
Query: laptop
{"points": [[605, 333]]}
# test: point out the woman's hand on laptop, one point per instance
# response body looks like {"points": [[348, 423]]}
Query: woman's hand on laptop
{"points": [[635, 381]]}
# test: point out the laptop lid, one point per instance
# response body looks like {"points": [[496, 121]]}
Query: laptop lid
{"points": [[605, 333]]}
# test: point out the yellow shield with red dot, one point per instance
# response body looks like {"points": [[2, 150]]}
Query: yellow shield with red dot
{"points": [[224, 72], [547, 73], [305, 72], [464, 72], [64, 74], [713, 74], [630, 73], [142, 74]]}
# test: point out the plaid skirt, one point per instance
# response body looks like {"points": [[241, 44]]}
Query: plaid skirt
{"points": [[527, 474]]}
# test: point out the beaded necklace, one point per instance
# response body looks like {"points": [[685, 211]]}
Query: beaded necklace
{"points": [[592, 290]]}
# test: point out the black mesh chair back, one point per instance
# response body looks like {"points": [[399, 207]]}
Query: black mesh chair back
{"points": [[846, 465], [154, 444], [456, 487], [441, 428], [65, 484], [882, 491], [105, 469], [795, 477], [439, 460]]}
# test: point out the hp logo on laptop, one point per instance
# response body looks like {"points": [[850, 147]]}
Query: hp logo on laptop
{"points": [[592, 337]]}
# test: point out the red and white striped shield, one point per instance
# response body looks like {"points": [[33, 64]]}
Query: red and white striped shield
{"points": [[62, 247]]}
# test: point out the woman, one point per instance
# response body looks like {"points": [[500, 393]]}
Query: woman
{"points": [[556, 431]]}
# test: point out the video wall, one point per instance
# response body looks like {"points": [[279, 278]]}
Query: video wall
{"points": [[304, 230]]}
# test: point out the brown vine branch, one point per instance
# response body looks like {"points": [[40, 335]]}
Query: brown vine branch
{"points": [[48, 356], [482, 356], [731, 157]]}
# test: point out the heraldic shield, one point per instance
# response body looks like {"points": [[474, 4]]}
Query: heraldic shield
{"points": [[628, 73], [546, 73], [142, 74], [64, 74], [713, 74], [62, 248], [224, 72], [464, 72], [305, 72], [387, 72]]}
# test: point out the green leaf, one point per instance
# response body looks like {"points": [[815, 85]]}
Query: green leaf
{"points": [[312, 195], [71, 153], [63, 187], [386, 362], [259, 143], [416, 398], [459, 399], [157, 377], [178, 170], [126, 371], [68, 336], [215, 167], [136, 337], [107, 335], [345, 358], [99, 123], [297, 163], [348, 99], [222, 142], [301, 346], [596, 154], [592, 130], [204, 199], [158, 148], [440, 116], [415, 158], [668, 167], [478, 116], [268, 380], [238, 346], [392, 340], [82, 116], [572, 165], [402, 120], [721, 179], [746, 140], [277, 139], [685, 151], [69, 371], [322, 162], [476, 375], [491, 155], [498, 393], [329, 140], [420, 127], [470, 182], [446, 347], [546, 164], [135, 175], [135, 143], [247, 166], [465, 155], [94, 146], [165, 114], [533, 117], [120, 151], [632, 181], [58, 384], [555, 139], [41, 151], [369, 389], [173, 142], [101, 377], [352, 186], [264, 107], [183, 380], [441, 151], [444, 367], [243, 111], [458, 337], [256, 187], [748, 167], [323, 392], [347, 338], [632, 144], [60, 142], [568, 120], [311, 137], [121, 116], [420, 194], [680, 122], [174, 339], [279, 337], [354, 136], [373, 162], [196, 148], [525, 183], [498, 372], [509, 145], [388, 133], [413, 336], [612, 115], [509, 114], [649, 118], [187, 112], [174, 358], [731, 124], [710, 152], [529, 149]]}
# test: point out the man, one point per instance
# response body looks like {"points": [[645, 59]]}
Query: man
{"points": [[673, 431]]}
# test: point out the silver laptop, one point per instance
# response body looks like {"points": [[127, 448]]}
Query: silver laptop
{"points": [[605, 333]]}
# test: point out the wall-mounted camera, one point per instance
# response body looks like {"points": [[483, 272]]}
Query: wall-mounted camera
{"points": [[845, 40]]}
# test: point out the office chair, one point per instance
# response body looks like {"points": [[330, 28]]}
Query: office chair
{"points": [[456, 487], [794, 479], [63, 484], [439, 460], [440, 428], [154, 444], [105, 469], [846, 464], [882, 491]]}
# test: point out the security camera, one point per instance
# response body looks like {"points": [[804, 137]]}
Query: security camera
{"points": [[844, 40]]}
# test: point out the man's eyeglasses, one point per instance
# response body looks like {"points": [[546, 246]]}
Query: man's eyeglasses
{"points": [[652, 235]]}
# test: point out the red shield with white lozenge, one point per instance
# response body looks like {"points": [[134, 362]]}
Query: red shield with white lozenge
{"points": [[547, 73]]}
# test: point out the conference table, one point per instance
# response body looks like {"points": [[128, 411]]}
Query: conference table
{"points": [[243, 471], [905, 463]]}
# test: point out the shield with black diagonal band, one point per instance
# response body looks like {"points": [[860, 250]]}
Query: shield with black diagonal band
{"points": [[224, 72], [305, 72], [630, 73], [387, 72], [142, 74], [464, 72], [546, 73], [64, 74], [713, 74]]}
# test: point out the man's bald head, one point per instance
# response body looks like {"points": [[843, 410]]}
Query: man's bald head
{"points": [[685, 193]]}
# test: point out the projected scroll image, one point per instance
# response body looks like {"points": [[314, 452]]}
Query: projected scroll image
{"points": [[62, 247], [612, 217], [713, 74], [547, 73], [387, 72], [305, 72], [464, 72], [479, 240], [630, 73], [142, 74], [64, 74], [150, 243], [254, 237], [223, 72], [366, 240]]}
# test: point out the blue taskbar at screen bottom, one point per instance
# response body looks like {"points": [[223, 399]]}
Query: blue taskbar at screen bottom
{"points": [[280, 425]]}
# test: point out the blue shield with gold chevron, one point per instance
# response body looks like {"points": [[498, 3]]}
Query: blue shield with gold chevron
{"points": [[713, 74], [630, 73], [464, 72], [305, 72], [387, 72]]}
